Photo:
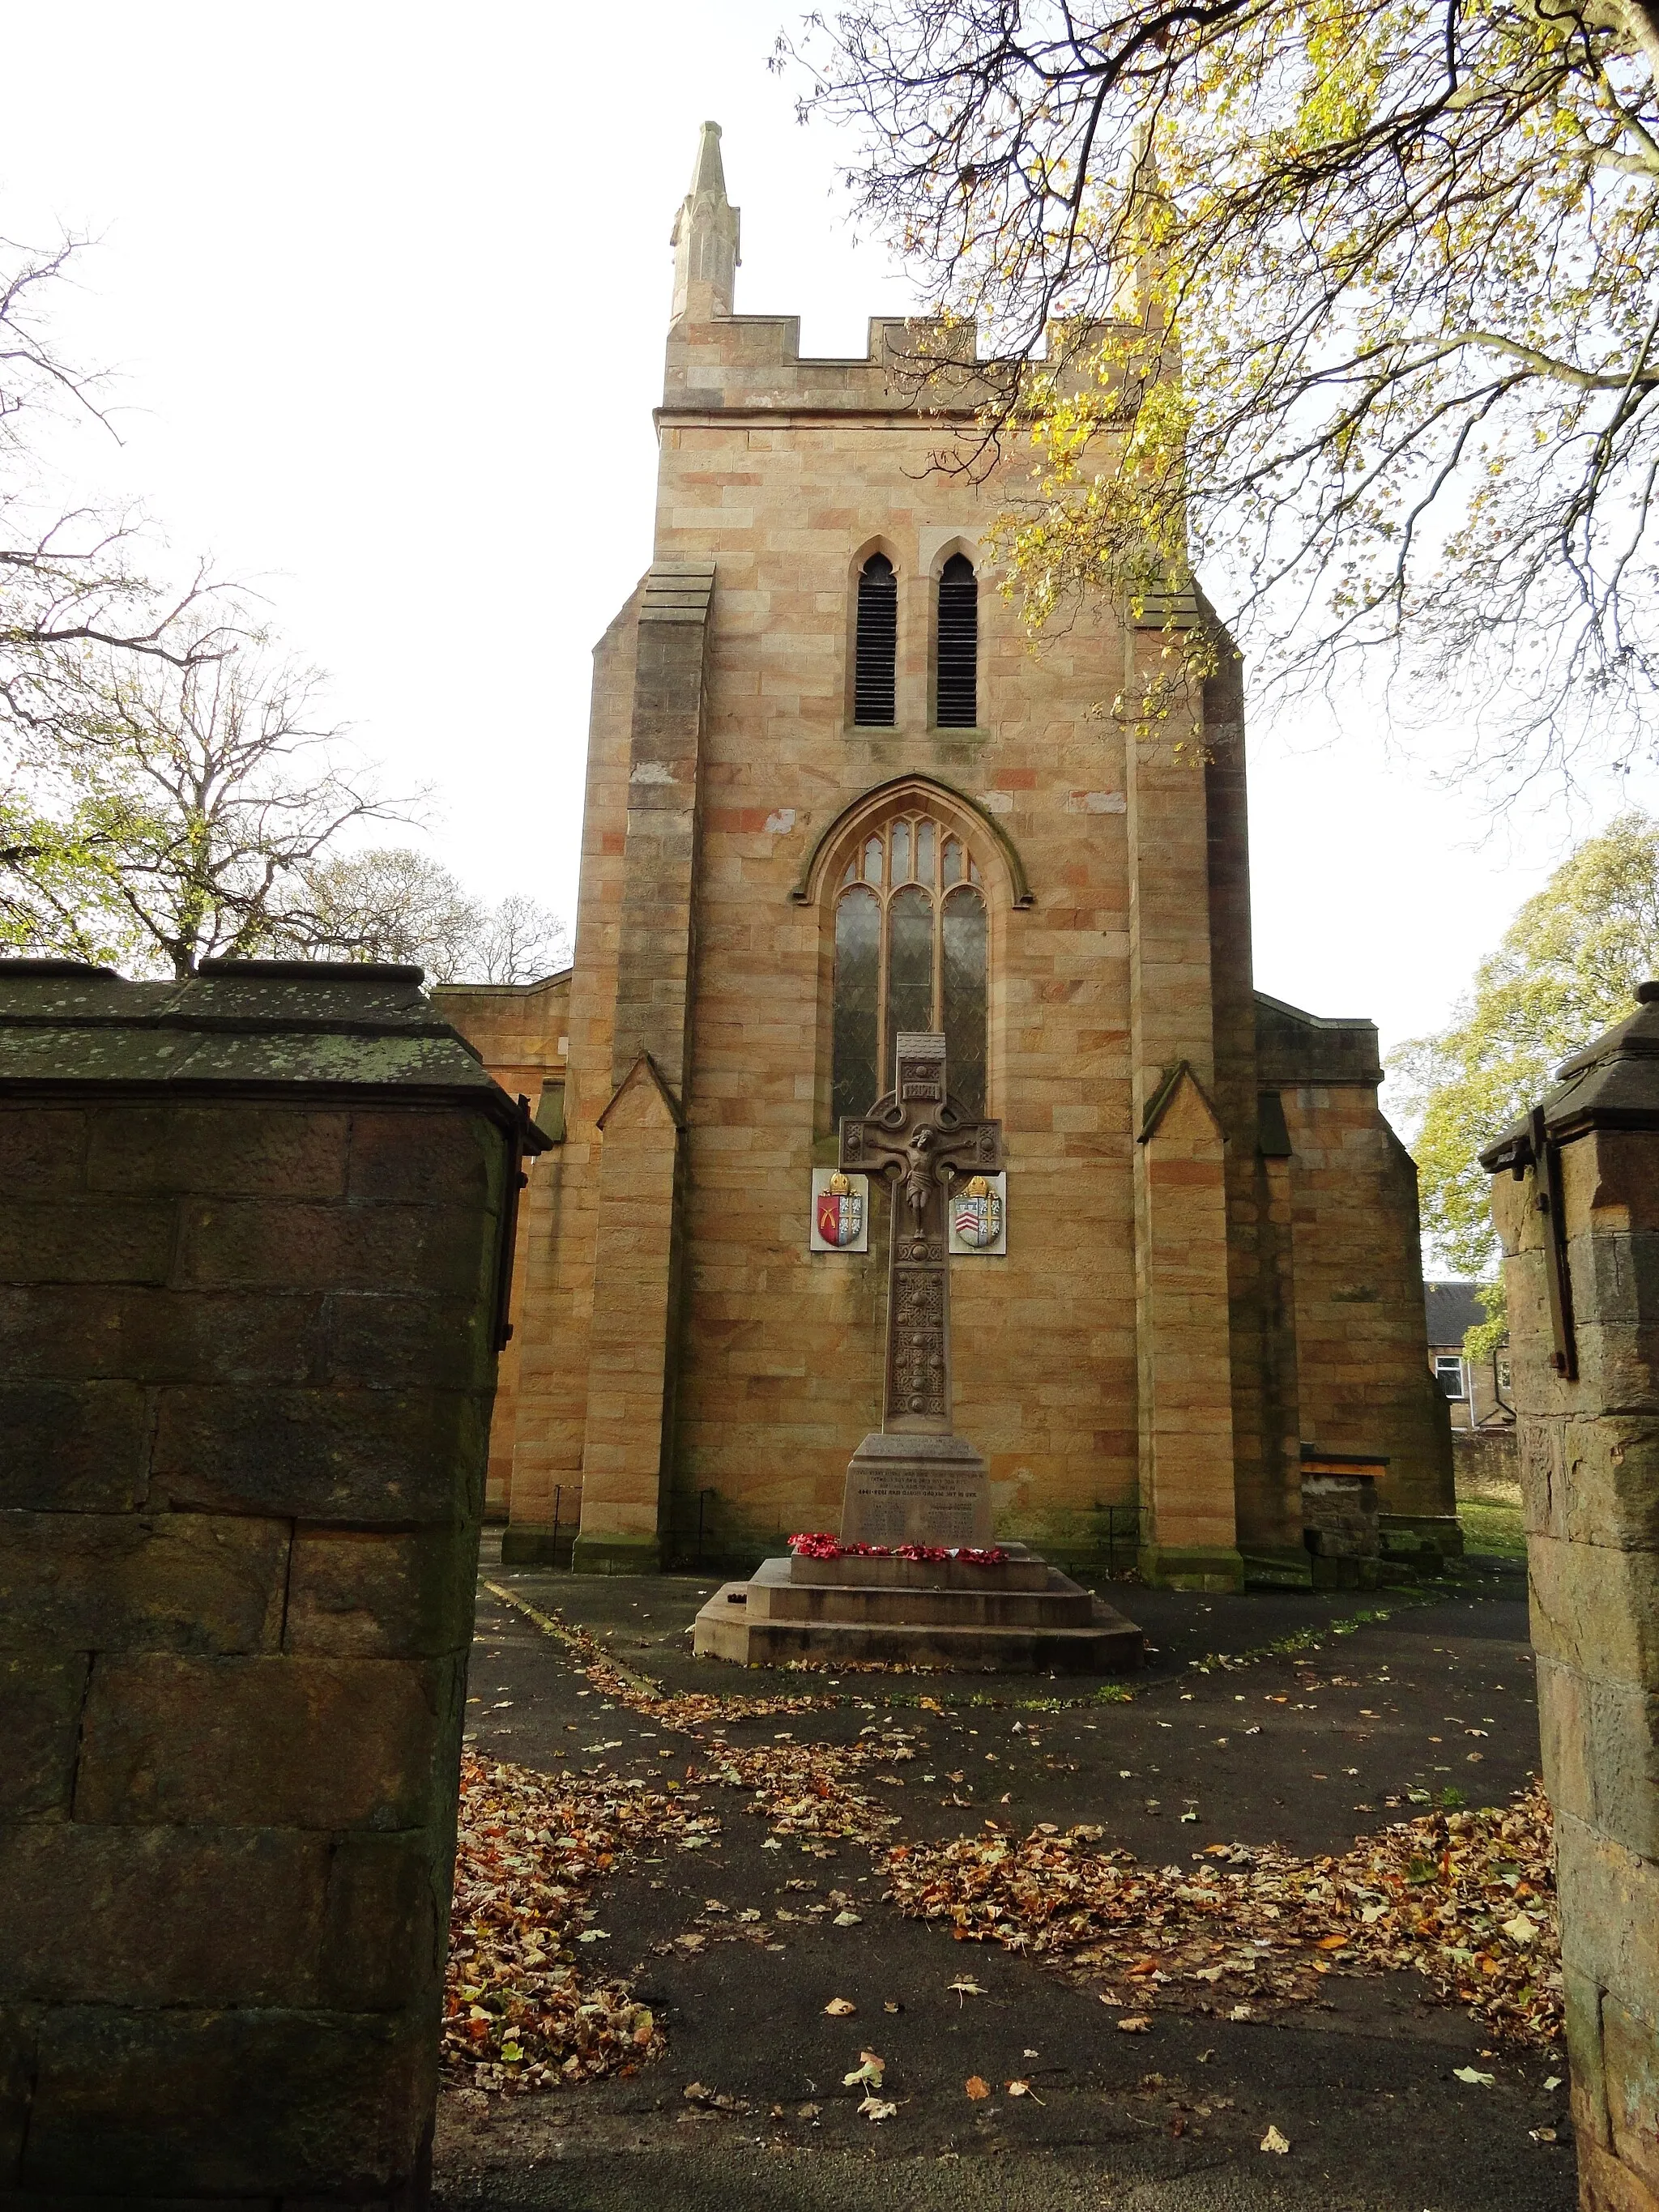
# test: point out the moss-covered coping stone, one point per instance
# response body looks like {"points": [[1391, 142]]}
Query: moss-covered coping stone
{"points": [[253, 1228]]}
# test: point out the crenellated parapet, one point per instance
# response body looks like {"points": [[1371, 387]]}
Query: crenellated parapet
{"points": [[922, 365], [722, 363]]}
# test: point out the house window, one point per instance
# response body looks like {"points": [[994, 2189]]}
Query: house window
{"points": [[1448, 1373], [912, 953], [1501, 1371], [956, 698], [876, 645]]}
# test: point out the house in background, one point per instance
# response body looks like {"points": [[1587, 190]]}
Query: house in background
{"points": [[1477, 1391]]}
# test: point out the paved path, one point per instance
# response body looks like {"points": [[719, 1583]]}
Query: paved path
{"points": [[1364, 2089]]}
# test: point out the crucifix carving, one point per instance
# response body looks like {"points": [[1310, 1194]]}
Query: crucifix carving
{"points": [[920, 1140]]}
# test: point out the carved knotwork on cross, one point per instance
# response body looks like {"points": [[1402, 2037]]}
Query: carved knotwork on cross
{"points": [[921, 1140]]}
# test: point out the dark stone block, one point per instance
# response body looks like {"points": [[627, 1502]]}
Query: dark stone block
{"points": [[435, 1344], [1616, 1278], [18, 2027], [227, 1772], [164, 1915], [322, 1454], [86, 1240], [56, 2200], [294, 1152], [388, 1933], [273, 1243], [72, 1447], [42, 1151], [358, 1592], [141, 1581], [439, 1159], [250, 2102], [41, 1699], [68, 1333], [284, 1742]]}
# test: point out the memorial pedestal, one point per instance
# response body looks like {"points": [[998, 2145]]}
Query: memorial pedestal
{"points": [[916, 1490], [1019, 1615], [1025, 1618], [912, 1481]]}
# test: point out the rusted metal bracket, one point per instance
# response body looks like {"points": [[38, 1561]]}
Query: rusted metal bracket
{"points": [[1546, 1167]]}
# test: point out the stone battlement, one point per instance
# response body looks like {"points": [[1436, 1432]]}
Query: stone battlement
{"points": [[917, 366], [723, 363]]}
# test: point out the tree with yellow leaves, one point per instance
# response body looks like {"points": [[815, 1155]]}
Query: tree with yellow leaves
{"points": [[1566, 969], [1347, 306]]}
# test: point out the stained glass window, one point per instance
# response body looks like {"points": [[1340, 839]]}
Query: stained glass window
{"points": [[910, 961], [912, 953], [858, 1000], [964, 961]]}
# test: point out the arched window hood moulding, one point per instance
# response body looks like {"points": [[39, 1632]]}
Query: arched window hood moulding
{"points": [[927, 790]]}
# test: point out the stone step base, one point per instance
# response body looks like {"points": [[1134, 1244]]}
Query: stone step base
{"points": [[1055, 1602], [1019, 1570], [1107, 1645]]}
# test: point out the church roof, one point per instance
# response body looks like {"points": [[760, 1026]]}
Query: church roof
{"points": [[1452, 1308]]}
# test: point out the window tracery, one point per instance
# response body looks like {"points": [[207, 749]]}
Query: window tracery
{"points": [[912, 935]]}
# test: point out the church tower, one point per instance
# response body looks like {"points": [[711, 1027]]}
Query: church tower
{"points": [[834, 794]]}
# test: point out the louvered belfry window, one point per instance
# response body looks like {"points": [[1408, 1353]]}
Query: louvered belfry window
{"points": [[874, 700], [957, 706]]}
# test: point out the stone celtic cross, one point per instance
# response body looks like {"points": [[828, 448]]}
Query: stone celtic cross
{"points": [[920, 1140]]}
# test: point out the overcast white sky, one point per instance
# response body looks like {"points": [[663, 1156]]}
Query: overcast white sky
{"points": [[388, 286]]}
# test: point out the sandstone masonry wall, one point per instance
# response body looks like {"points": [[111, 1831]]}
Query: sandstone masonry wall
{"points": [[1362, 1381], [249, 1233], [521, 1033], [1576, 1201], [721, 1373]]}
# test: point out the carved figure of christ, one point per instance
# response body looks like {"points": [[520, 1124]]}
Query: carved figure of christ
{"points": [[921, 1140]]}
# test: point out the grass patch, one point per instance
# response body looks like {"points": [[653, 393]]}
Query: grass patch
{"points": [[1314, 1637], [1492, 1528]]}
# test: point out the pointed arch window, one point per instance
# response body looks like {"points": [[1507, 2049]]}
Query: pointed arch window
{"points": [[956, 705], [875, 658], [912, 953]]}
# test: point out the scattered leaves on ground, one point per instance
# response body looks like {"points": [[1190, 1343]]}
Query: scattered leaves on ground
{"points": [[529, 1850], [686, 1709], [1464, 1898], [1273, 2141], [813, 1791], [1467, 1900]]}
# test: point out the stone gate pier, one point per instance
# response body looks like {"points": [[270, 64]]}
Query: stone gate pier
{"points": [[253, 1231], [1575, 1198]]}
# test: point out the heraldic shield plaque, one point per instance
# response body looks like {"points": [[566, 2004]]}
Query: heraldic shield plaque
{"points": [[840, 1211], [978, 1214]]}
